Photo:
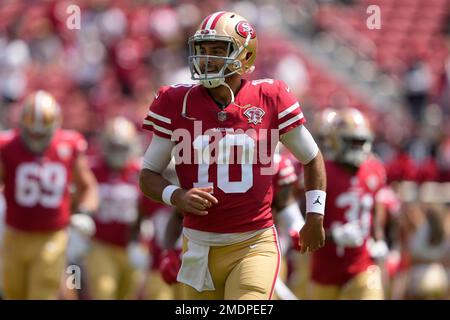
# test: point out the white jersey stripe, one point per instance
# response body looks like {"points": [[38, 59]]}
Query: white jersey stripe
{"points": [[159, 117], [158, 128], [290, 121], [288, 110]]}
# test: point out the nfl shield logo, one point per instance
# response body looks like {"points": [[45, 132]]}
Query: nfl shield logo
{"points": [[222, 116], [254, 115]]}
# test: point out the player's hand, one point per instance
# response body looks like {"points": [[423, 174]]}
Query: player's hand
{"points": [[170, 265], [378, 249], [347, 235], [195, 200], [295, 239], [138, 255], [83, 223], [312, 235]]}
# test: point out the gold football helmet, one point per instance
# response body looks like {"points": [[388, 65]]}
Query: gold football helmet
{"points": [[350, 137], [40, 117], [119, 142], [321, 127], [241, 40]]}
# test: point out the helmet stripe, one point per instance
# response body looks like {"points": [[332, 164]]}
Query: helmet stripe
{"points": [[216, 20], [204, 22], [212, 21], [39, 101]]}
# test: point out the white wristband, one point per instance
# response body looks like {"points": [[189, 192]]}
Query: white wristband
{"points": [[167, 193], [315, 201]]}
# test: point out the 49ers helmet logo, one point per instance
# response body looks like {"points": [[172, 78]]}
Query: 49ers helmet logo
{"points": [[244, 28]]}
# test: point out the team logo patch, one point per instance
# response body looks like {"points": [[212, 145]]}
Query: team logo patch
{"points": [[64, 151], [244, 28], [254, 115]]}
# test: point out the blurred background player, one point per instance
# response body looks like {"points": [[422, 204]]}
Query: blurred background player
{"points": [[287, 216], [116, 260], [161, 282], [424, 250], [165, 247], [38, 163], [299, 275], [356, 177]]}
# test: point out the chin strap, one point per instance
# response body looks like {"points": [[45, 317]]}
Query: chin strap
{"points": [[232, 97], [183, 111], [231, 91]]}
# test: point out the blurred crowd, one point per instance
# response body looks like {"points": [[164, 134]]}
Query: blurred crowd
{"points": [[125, 50]]}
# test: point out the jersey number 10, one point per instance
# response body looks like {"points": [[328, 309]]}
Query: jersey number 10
{"points": [[223, 157]]}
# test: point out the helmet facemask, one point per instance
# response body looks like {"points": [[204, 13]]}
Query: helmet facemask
{"points": [[35, 140], [354, 150], [200, 64], [119, 142], [117, 155], [350, 137]]}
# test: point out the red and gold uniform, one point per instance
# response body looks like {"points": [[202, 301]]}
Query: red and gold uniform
{"points": [[249, 128], [36, 189], [350, 199], [273, 110], [111, 276]]}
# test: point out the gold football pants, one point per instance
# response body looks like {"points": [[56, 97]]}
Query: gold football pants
{"points": [[33, 264], [366, 285], [246, 270], [110, 275]]}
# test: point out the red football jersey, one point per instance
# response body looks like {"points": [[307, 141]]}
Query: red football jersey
{"points": [[349, 198], [37, 186], [119, 197], [285, 172], [228, 150]]}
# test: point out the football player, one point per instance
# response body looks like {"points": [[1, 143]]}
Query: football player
{"points": [[38, 164], [288, 220], [299, 279], [165, 247], [357, 177], [162, 277], [287, 216], [116, 256], [224, 131]]}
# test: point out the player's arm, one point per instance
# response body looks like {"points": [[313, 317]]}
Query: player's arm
{"points": [[156, 187], [173, 229], [288, 215], [135, 227], [86, 186], [377, 245], [379, 216], [302, 145], [284, 197]]}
